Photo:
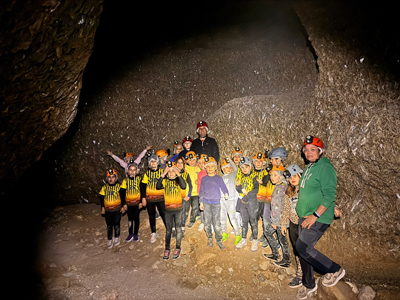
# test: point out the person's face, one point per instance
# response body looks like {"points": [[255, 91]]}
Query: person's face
{"points": [[132, 171], [258, 164], [236, 159], [294, 180], [187, 145], [153, 164], [210, 168], [200, 163], [311, 152], [178, 149], [111, 179], [274, 176], [127, 159], [202, 132], [245, 169], [172, 173], [180, 164], [276, 161], [228, 170], [192, 162]]}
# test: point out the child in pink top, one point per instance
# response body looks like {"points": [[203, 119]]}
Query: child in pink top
{"points": [[128, 156]]}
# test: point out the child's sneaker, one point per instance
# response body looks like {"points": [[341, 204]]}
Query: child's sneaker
{"points": [[265, 244], [304, 292], [282, 264], [224, 237], [110, 244], [129, 238], [135, 238], [221, 245], [189, 225], [296, 282], [238, 238], [177, 253], [273, 257], [262, 239], [166, 254], [198, 218], [201, 227], [210, 242], [153, 237], [242, 243], [116, 242], [254, 245], [330, 279]]}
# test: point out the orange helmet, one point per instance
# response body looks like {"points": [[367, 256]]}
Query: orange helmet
{"points": [[201, 156], [111, 172], [128, 154], [278, 168], [171, 164], [176, 143], [313, 140], [162, 153], [190, 155], [259, 156], [225, 163], [237, 151], [210, 160]]}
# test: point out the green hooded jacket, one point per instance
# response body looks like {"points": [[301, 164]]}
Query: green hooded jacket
{"points": [[318, 187]]}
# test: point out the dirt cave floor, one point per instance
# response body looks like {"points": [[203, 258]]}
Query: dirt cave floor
{"points": [[75, 263]]}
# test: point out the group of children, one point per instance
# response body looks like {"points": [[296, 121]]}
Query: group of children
{"points": [[249, 189]]}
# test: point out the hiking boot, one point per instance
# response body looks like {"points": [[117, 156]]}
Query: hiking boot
{"points": [[210, 243], [166, 254], [265, 244], [116, 242], [224, 237], [238, 238], [221, 245], [241, 244], [282, 264], [177, 253], [153, 237], [201, 227], [189, 225], [330, 279], [110, 244], [129, 238], [303, 292], [296, 282], [273, 257], [262, 239], [135, 238], [254, 245]]}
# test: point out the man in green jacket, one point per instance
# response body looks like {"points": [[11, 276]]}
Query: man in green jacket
{"points": [[316, 210]]}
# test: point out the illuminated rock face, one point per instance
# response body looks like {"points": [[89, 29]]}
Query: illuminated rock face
{"points": [[45, 46], [255, 89]]}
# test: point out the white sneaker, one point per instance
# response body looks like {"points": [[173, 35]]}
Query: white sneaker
{"points": [[201, 227], [242, 243], [110, 244], [153, 237], [254, 245], [116, 242]]}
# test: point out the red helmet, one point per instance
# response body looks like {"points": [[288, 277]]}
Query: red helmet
{"points": [[187, 139], [312, 140], [201, 124]]}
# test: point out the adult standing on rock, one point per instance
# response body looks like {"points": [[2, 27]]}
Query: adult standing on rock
{"points": [[205, 144], [316, 209]]}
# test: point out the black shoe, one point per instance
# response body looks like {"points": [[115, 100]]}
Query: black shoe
{"points": [[282, 264], [296, 282], [273, 257]]}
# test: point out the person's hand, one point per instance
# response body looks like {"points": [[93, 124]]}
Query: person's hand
{"points": [[283, 231], [259, 181], [197, 182], [144, 202], [338, 212], [186, 198], [148, 147], [140, 205], [226, 196], [244, 192], [309, 221], [273, 226], [109, 153], [177, 172], [201, 206], [103, 210]]}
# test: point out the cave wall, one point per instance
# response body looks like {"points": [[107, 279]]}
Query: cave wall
{"points": [[45, 46]]}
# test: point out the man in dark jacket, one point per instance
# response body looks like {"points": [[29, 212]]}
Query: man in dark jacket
{"points": [[205, 144]]}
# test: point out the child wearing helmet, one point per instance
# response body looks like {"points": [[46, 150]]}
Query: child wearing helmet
{"points": [[131, 187], [153, 198], [236, 155], [112, 202], [128, 156], [277, 204], [201, 164], [163, 157], [172, 183], [186, 143], [177, 149], [228, 206], [211, 188], [247, 186], [193, 203]]}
